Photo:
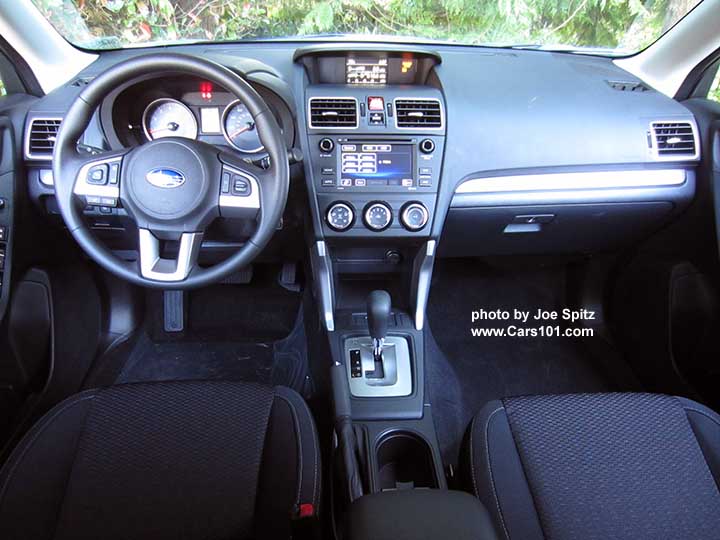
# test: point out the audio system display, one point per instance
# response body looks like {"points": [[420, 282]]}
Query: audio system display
{"points": [[366, 70], [376, 164]]}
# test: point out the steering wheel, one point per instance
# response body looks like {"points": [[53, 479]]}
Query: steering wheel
{"points": [[172, 187]]}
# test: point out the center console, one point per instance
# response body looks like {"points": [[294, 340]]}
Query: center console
{"points": [[373, 145]]}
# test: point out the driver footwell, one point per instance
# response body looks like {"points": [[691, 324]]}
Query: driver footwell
{"points": [[253, 332]]}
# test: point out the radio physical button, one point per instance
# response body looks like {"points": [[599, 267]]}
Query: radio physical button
{"points": [[427, 146], [326, 145]]}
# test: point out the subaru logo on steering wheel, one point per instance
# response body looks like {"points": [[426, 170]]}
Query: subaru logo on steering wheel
{"points": [[164, 177]]}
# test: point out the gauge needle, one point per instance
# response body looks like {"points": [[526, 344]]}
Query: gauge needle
{"points": [[172, 126], [248, 127]]}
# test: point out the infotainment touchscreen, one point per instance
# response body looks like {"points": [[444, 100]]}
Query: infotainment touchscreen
{"points": [[376, 163]]}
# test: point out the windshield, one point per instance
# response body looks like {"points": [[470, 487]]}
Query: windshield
{"points": [[601, 26]]}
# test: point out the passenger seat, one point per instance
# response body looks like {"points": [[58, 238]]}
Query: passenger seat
{"points": [[596, 466]]}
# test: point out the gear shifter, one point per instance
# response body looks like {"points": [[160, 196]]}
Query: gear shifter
{"points": [[379, 365], [378, 315]]}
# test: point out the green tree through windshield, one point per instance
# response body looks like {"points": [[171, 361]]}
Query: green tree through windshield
{"points": [[623, 25]]}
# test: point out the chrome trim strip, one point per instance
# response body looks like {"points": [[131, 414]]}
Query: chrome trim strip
{"points": [[152, 266], [28, 131], [322, 271], [82, 188], [252, 201], [442, 114], [357, 113], [422, 275], [653, 139], [571, 181]]}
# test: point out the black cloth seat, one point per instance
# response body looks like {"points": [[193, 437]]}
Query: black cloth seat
{"points": [[596, 466], [180, 460]]}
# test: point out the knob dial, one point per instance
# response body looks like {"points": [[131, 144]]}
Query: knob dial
{"points": [[377, 216], [326, 145], [340, 216], [427, 146], [414, 216]]}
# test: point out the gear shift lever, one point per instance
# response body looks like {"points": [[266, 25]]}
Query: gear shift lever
{"points": [[378, 315]]}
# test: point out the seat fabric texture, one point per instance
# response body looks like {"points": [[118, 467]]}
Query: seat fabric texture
{"points": [[596, 466], [181, 460]]}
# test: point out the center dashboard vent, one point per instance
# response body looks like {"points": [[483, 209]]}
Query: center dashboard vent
{"points": [[41, 137], [674, 140], [418, 113], [332, 113]]}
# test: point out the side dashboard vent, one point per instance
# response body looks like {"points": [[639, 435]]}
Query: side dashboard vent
{"points": [[674, 140], [333, 113], [418, 113], [41, 137], [628, 86]]}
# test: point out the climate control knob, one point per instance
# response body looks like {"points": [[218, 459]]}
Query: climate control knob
{"points": [[340, 216], [377, 216], [414, 216]]}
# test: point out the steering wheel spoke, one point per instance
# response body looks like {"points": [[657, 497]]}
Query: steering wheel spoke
{"points": [[98, 179], [240, 190], [153, 266]]}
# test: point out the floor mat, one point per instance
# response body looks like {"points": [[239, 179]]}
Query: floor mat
{"points": [[283, 362], [253, 333], [465, 372], [262, 310]]}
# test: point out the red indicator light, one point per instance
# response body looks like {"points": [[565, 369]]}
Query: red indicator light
{"points": [[376, 104], [206, 89]]}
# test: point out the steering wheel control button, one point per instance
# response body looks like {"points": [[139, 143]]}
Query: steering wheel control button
{"points": [[414, 216], [114, 174], [326, 145], [377, 216], [240, 186], [225, 186], [340, 216], [98, 175], [427, 146]]}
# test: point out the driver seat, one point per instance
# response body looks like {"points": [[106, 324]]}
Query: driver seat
{"points": [[191, 460]]}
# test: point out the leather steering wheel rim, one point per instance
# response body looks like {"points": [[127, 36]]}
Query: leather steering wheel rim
{"points": [[68, 162]]}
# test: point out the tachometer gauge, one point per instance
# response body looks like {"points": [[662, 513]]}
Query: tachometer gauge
{"points": [[166, 117], [239, 128]]}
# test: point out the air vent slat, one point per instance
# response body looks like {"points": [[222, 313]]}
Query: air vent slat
{"points": [[333, 113], [418, 113], [675, 140], [41, 139]]}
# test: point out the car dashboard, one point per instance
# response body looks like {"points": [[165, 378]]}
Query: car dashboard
{"points": [[417, 149]]}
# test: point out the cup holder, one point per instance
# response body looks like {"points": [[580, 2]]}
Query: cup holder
{"points": [[404, 460]]}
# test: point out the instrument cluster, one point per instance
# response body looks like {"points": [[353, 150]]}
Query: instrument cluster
{"points": [[195, 109]]}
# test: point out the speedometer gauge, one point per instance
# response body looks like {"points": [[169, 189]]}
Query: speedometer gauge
{"points": [[166, 117], [239, 128]]}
